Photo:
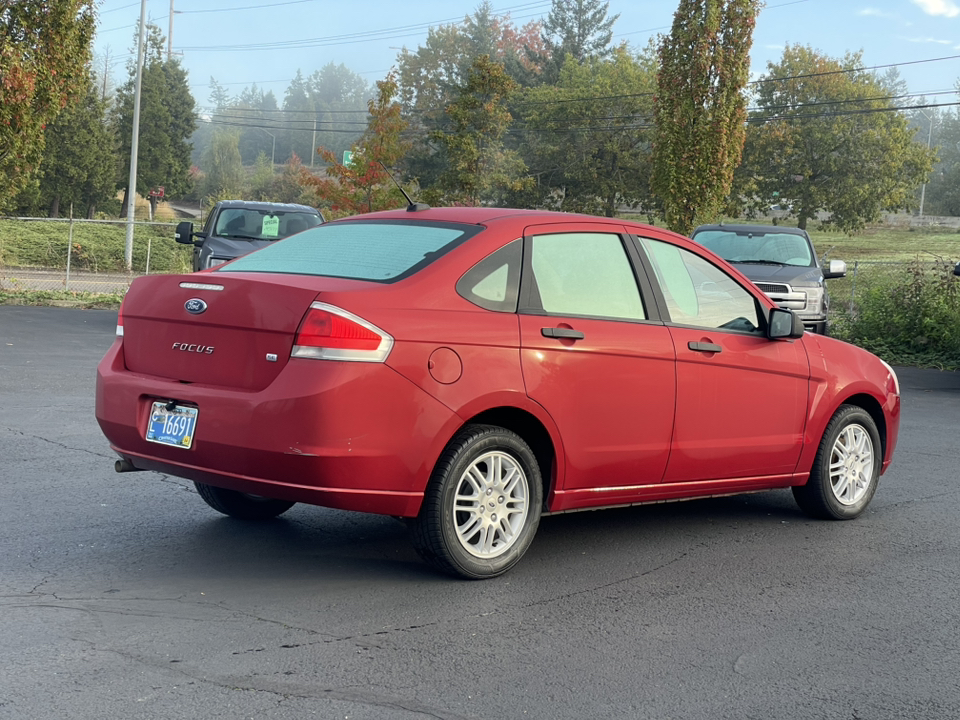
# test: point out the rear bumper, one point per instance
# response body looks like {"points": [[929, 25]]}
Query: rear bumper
{"points": [[355, 436]]}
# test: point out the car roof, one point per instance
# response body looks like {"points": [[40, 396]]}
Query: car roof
{"points": [[268, 206], [761, 229], [470, 215]]}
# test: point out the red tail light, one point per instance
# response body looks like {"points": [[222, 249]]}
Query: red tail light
{"points": [[120, 321], [330, 333]]}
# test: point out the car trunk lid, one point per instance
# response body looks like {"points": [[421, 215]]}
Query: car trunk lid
{"points": [[232, 330]]}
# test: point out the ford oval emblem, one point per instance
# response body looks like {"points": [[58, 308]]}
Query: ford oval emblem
{"points": [[195, 306]]}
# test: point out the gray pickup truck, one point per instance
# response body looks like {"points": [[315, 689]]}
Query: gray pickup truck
{"points": [[237, 227], [780, 261]]}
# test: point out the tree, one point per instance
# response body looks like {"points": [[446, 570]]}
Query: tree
{"points": [[700, 108], [79, 160], [167, 120], [586, 139], [224, 169], [363, 184], [429, 79], [479, 168], [827, 137], [44, 56], [942, 196], [578, 28]]}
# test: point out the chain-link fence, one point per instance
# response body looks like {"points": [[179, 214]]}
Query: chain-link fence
{"points": [[848, 293], [76, 255]]}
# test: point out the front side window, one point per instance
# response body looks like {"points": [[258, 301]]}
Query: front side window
{"points": [[585, 274], [699, 293]]}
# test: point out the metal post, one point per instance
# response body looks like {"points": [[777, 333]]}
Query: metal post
{"points": [[134, 141], [170, 34], [149, 245], [923, 190], [853, 287], [66, 281], [313, 148]]}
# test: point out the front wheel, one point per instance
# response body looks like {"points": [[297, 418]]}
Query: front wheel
{"points": [[242, 505], [482, 506], [846, 469]]}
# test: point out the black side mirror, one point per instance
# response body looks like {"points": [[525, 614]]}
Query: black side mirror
{"points": [[783, 324], [184, 233]]}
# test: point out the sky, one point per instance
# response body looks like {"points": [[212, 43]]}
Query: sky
{"points": [[921, 37]]}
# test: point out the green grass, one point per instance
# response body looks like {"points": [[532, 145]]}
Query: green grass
{"points": [[97, 247], [888, 244]]}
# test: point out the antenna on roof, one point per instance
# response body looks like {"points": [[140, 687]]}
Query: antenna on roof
{"points": [[411, 205]]}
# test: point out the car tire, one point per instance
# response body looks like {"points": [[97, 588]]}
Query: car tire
{"points": [[482, 505], [241, 505], [846, 470]]}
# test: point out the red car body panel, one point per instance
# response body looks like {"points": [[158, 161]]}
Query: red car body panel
{"points": [[630, 413]]}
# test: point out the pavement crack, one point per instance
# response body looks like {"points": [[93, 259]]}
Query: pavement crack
{"points": [[58, 444]]}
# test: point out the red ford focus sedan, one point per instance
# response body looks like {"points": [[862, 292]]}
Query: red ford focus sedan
{"points": [[471, 369]]}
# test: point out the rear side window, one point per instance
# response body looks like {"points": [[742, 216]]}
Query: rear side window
{"points": [[379, 251], [494, 282]]}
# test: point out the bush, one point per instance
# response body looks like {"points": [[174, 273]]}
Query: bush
{"points": [[911, 317]]}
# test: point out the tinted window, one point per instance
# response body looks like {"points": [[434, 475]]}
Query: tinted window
{"points": [[585, 274], [699, 293], [380, 251], [758, 247], [493, 283]]}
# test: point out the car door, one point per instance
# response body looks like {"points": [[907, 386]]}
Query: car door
{"points": [[596, 358], [741, 397]]}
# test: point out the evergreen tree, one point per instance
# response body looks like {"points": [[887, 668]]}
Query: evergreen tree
{"points": [[44, 56], [167, 121], [578, 28], [479, 168], [79, 164]]}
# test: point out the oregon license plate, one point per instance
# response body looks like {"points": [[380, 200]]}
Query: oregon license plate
{"points": [[172, 425]]}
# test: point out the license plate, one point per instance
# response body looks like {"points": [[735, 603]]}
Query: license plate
{"points": [[172, 426]]}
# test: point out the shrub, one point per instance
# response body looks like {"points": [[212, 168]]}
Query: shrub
{"points": [[911, 317]]}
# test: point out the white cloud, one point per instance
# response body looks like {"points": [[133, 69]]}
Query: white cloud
{"points": [[947, 8], [928, 40]]}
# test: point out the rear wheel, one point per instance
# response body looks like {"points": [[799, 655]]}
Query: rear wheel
{"points": [[241, 505], [847, 467], [482, 505]]}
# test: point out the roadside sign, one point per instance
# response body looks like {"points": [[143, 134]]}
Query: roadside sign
{"points": [[347, 157]]}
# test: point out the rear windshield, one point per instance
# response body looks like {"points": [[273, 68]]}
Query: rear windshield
{"points": [[249, 224], [382, 251], [758, 247]]}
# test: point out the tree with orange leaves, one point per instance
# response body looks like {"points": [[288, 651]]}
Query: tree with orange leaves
{"points": [[363, 184]]}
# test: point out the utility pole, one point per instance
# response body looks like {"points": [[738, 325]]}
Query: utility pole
{"points": [[923, 190], [135, 140], [313, 148], [170, 34]]}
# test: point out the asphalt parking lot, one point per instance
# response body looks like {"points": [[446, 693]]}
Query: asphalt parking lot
{"points": [[125, 596]]}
